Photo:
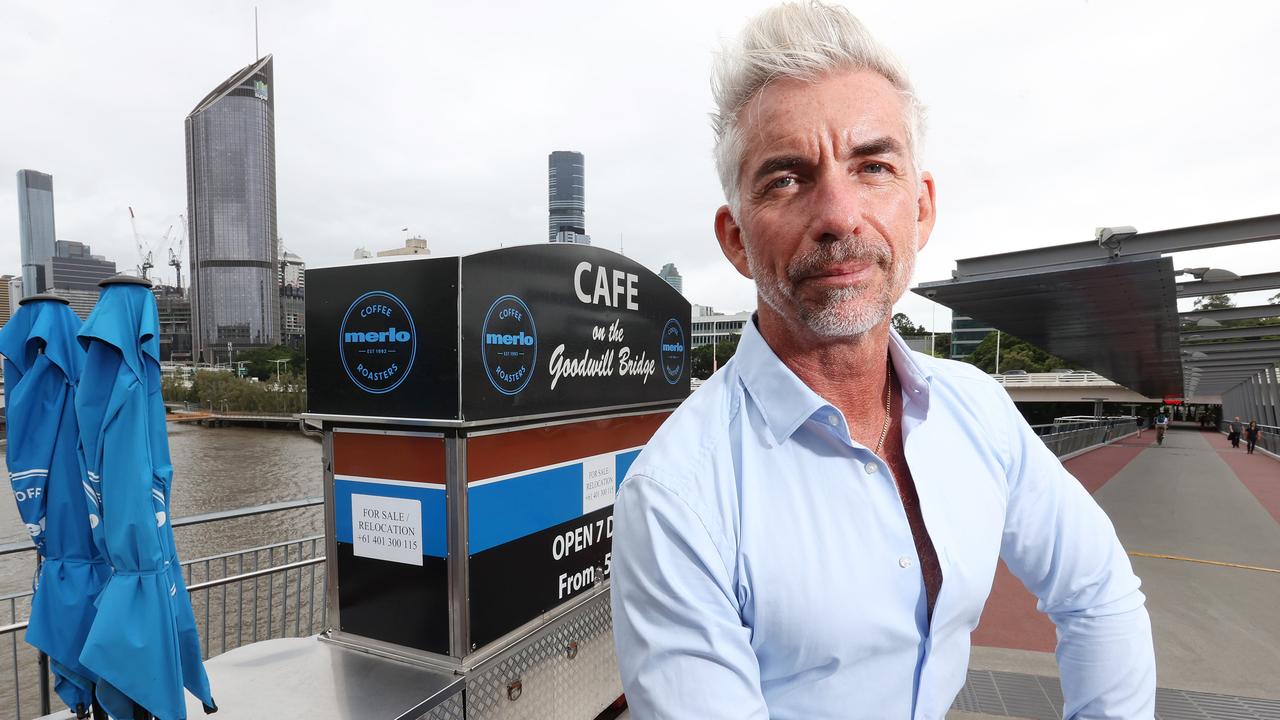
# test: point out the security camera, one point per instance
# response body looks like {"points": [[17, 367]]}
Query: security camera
{"points": [[1111, 237], [930, 293]]}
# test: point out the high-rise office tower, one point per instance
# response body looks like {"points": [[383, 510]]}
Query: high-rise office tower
{"points": [[35, 227], [566, 185], [6, 303], [74, 273], [672, 276], [293, 291], [231, 198]]}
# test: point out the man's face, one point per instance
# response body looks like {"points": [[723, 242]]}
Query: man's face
{"points": [[831, 211]]}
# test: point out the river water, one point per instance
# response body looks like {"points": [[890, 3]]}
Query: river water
{"points": [[214, 469]]}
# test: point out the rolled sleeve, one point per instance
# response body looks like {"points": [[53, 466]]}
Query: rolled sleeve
{"points": [[683, 650], [1062, 546]]}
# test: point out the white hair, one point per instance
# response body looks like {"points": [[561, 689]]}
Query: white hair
{"points": [[803, 41]]}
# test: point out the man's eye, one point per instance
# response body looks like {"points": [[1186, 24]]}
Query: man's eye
{"points": [[875, 168], [782, 182]]}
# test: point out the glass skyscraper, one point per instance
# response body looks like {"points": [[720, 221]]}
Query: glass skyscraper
{"points": [[566, 184], [672, 276], [35, 227], [231, 198]]}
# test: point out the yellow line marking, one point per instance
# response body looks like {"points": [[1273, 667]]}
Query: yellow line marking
{"points": [[1159, 556]]}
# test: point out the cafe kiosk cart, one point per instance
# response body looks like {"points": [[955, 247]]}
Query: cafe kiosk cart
{"points": [[479, 413]]}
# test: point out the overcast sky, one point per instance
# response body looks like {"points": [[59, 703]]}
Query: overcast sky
{"points": [[1046, 120]]}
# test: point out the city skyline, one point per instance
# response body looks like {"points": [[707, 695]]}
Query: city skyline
{"points": [[1036, 136]]}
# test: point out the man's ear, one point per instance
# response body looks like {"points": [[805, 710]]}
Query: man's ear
{"points": [[731, 240], [927, 210]]}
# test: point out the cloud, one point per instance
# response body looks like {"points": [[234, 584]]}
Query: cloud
{"points": [[1046, 120]]}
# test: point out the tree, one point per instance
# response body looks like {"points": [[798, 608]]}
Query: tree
{"points": [[260, 361], [942, 345], [901, 323], [701, 359], [1220, 301], [1015, 354]]}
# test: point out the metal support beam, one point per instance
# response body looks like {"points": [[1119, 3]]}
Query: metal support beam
{"points": [[1274, 395], [1272, 331], [1196, 237], [1250, 312], [1263, 281], [1238, 355], [1267, 360], [1231, 347]]}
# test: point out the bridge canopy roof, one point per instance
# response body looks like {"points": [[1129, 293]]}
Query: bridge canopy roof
{"points": [[1111, 305]]}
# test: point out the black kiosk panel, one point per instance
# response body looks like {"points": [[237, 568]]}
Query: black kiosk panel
{"points": [[561, 328], [382, 339]]}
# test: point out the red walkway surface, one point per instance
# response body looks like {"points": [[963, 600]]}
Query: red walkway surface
{"points": [[1257, 472], [1010, 619]]}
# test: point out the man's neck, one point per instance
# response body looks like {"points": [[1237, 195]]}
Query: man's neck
{"points": [[848, 372]]}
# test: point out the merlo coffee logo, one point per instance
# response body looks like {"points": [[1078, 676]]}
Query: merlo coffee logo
{"points": [[509, 344], [672, 351], [377, 342]]}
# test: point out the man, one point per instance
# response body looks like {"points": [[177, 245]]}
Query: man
{"points": [[814, 533], [1162, 425]]}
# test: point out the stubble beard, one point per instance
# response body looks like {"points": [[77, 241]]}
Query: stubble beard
{"points": [[847, 311]]}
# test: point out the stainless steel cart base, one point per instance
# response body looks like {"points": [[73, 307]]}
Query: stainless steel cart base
{"points": [[565, 670]]}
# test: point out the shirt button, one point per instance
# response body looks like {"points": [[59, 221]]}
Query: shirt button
{"points": [[870, 468], [904, 562], [833, 420]]}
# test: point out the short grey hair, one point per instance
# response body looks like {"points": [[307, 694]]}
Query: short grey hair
{"points": [[802, 41]]}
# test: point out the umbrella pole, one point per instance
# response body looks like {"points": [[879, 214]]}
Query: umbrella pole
{"points": [[44, 659], [44, 685]]}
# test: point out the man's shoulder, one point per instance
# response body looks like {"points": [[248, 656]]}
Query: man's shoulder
{"points": [[687, 444]]}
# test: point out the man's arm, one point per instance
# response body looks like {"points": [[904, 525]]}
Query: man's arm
{"points": [[682, 648], [1062, 546]]}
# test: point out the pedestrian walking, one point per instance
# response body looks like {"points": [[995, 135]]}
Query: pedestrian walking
{"points": [[1138, 419], [1251, 434], [1233, 432]]}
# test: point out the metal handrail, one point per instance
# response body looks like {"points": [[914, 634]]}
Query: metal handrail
{"points": [[259, 598], [1072, 378], [257, 573], [263, 572], [26, 546]]}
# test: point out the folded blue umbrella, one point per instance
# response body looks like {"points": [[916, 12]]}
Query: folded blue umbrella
{"points": [[143, 644], [42, 365]]}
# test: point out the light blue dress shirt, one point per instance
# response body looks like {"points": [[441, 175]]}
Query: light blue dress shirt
{"points": [[763, 566]]}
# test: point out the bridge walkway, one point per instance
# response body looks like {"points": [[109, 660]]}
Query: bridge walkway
{"points": [[1201, 523]]}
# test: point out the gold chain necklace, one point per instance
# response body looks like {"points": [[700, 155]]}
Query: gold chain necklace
{"points": [[888, 404]]}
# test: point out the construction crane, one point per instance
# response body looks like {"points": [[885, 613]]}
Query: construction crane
{"points": [[175, 258], [147, 258]]}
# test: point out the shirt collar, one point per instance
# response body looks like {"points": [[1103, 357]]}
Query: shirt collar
{"points": [[786, 402]]}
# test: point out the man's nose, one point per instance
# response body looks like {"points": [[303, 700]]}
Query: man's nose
{"points": [[838, 207]]}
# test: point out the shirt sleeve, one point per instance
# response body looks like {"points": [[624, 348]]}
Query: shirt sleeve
{"points": [[1062, 546], [683, 650]]}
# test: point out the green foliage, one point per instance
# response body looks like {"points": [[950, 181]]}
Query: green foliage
{"points": [[942, 345], [223, 391], [700, 358], [1213, 302], [904, 326], [1015, 354], [259, 361]]}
